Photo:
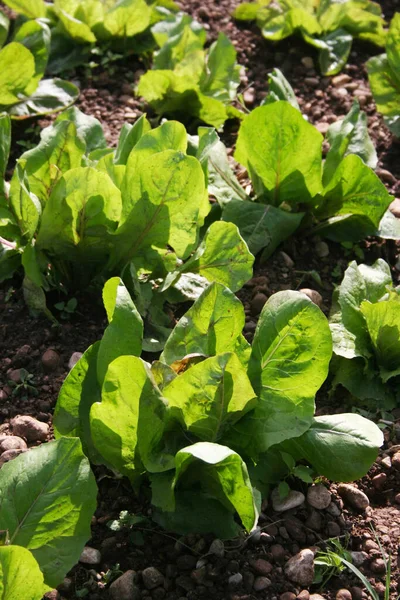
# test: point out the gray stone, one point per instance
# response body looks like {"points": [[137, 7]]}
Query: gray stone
{"points": [[152, 578], [300, 568], [261, 583], [318, 496], [353, 496], [29, 428], [73, 360], [90, 556], [358, 558], [308, 62], [12, 442], [292, 500], [314, 296], [124, 587], [217, 548], [261, 566], [9, 455], [235, 580], [321, 249]]}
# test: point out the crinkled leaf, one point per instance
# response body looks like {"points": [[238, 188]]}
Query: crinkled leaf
{"points": [[389, 227], [129, 137], [87, 127], [280, 89], [210, 396], [17, 67], [26, 206], [221, 77], [385, 85], [222, 182], [47, 500], [20, 576], [271, 146]]}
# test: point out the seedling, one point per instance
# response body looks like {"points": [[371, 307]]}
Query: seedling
{"points": [[26, 386], [67, 308]]}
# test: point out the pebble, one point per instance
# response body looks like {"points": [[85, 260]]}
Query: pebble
{"points": [[316, 597], [394, 207], [300, 568], [217, 548], [314, 296], [318, 496], [75, 357], [358, 558], [356, 592], [152, 578], [333, 510], [314, 520], [333, 529], [255, 536], [379, 481], [287, 596], [278, 552], [249, 96], [396, 461], [304, 595], [343, 595], [235, 580], [378, 565], [186, 562], [14, 375], [30, 428], [50, 360], [322, 127], [311, 81], [355, 497], [321, 249], [257, 303], [308, 62], [9, 455], [261, 566], [340, 80], [386, 176], [292, 500], [397, 498], [286, 260], [12, 442], [261, 583], [90, 556], [124, 587], [386, 462]]}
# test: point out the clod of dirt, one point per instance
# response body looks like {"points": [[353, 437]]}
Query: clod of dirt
{"points": [[300, 568], [12, 442], [353, 496], [30, 428], [9, 455]]}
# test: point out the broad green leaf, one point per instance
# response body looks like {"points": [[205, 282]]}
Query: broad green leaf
{"points": [[50, 96], [247, 11], [4, 26], [127, 18], [228, 473], [17, 67], [78, 392], [221, 77], [163, 374], [128, 424], [10, 260], [349, 136], [35, 36], [393, 45], [389, 227], [166, 214], [347, 323], [271, 146], [124, 334], [83, 207], [280, 89], [290, 357], [261, 225], [26, 206], [213, 325], [73, 27], [20, 576], [129, 137], [340, 447], [32, 9], [353, 203], [87, 127], [210, 396], [47, 499], [383, 323], [223, 256], [171, 135], [5, 144], [335, 51], [59, 150], [385, 85], [222, 182]]}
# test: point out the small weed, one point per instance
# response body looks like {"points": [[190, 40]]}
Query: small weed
{"points": [[26, 387], [302, 472], [67, 308]]}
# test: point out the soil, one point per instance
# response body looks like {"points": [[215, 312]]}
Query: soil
{"points": [[185, 567]]}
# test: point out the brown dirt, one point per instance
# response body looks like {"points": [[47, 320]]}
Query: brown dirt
{"points": [[23, 341]]}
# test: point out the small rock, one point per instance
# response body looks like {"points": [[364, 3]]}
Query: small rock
{"points": [[369, 545], [278, 552], [75, 357], [378, 565], [3, 395], [292, 500], [308, 62], [315, 297], [321, 249], [341, 92], [316, 597], [287, 596], [50, 360], [217, 548], [255, 536], [12, 442], [14, 375], [261, 566], [261, 583], [311, 81], [304, 595], [333, 529], [286, 259], [185, 583], [380, 588], [397, 498], [394, 207], [90, 556], [333, 510], [314, 520], [386, 462], [386, 176], [318, 496], [152, 578], [379, 481], [248, 580], [340, 80], [322, 127], [124, 587], [300, 568], [257, 303], [356, 592], [343, 595], [30, 428], [249, 96], [9, 455], [66, 586], [235, 580], [396, 461], [353, 496], [358, 558]]}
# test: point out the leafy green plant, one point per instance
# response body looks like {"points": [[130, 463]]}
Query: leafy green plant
{"points": [[47, 499], [365, 321], [76, 211], [26, 386], [207, 423], [341, 199], [187, 80], [23, 61], [384, 78], [328, 25], [67, 308], [78, 28]]}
